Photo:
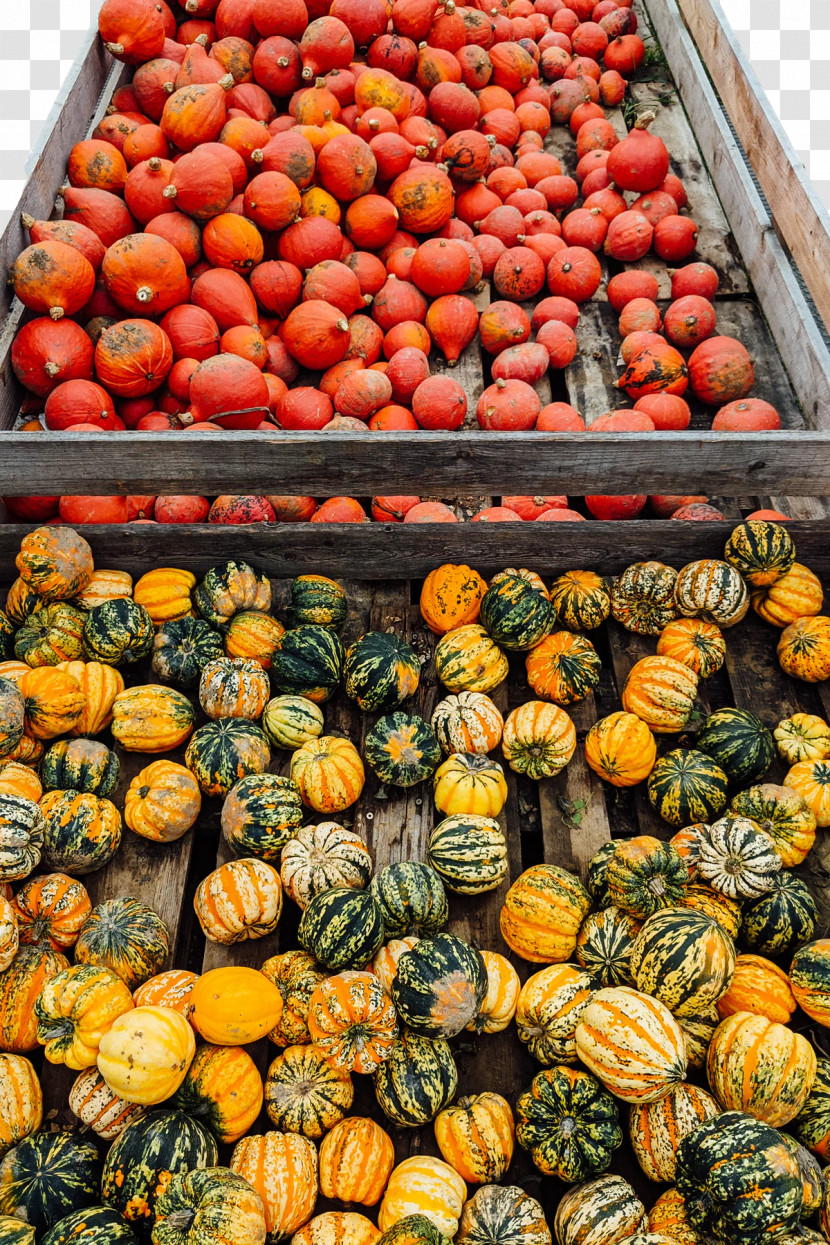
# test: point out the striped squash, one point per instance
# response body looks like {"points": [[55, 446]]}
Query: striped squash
{"points": [[760, 987], [82, 764], [698, 1031], [760, 1068], [581, 600], [475, 1136], [599, 1212], [782, 918], [413, 1230], [127, 936], [416, 1081], [539, 739], [802, 737], [260, 815], [727, 912], [503, 1215], [99, 1107], [422, 1185], [162, 802], [798, 594], [515, 610], [660, 691], [182, 648], [229, 588], [621, 749], [52, 635], [604, 945], [356, 1158], [151, 718], [711, 590], [668, 1217], [159, 1142], [737, 858], [329, 773], [165, 593], [811, 779], [468, 722], [385, 963], [381, 671], [95, 1224], [569, 1124], [687, 786], [223, 1088], [812, 1124], [291, 721], [47, 1176], [549, 1008], [173, 988], [318, 858], [82, 833], [468, 660], [642, 599], [218, 1203], [632, 1043], [283, 1171], [342, 928], [254, 636], [352, 1022], [21, 1100], [118, 633], [469, 853], [542, 913], [740, 744], [684, 959], [439, 986], [657, 1128], [233, 687], [411, 898], [468, 782], [296, 974], [761, 551], [596, 875], [306, 1094], [810, 980], [220, 753], [696, 644], [563, 667], [20, 986], [308, 661], [241, 899], [337, 1227], [55, 561], [319, 600], [498, 1007], [781, 813], [645, 875], [402, 749]]}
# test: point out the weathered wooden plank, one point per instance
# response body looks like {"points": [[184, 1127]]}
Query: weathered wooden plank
{"points": [[590, 378], [572, 805]]}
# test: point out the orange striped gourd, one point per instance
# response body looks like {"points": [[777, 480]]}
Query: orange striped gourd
{"points": [[760, 1068], [631, 1043]]}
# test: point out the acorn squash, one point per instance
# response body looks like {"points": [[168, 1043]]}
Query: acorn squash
{"points": [[305, 1093], [52, 635], [687, 786], [318, 600], [261, 813], [127, 936], [83, 764], [118, 633], [381, 671], [182, 648], [761, 551], [411, 898], [781, 919], [82, 832], [440, 986], [342, 928], [308, 661], [47, 1176], [642, 599], [151, 718], [739, 743], [569, 1123], [684, 959], [451, 597], [657, 1128], [604, 945], [291, 721], [469, 853], [417, 1080], [515, 610], [468, 660], [229, 588], [711, 590], [645, 875], [402, 749], [580, 600], [320, 857], [220, 753], [563, 667]]}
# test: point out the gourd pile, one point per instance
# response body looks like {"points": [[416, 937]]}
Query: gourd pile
{"points": [[639, 988], [293, 205]]}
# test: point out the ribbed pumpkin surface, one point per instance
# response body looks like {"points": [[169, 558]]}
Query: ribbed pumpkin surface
{"points": [[782, 918], [761, 1068], [657, 1128], [550, 1005], [569, 1123], [684, 959], [416, 1081], [632, 1043]]}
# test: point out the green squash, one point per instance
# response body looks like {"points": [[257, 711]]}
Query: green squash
{"points": [[645, 875], [82, 831], [291, 721], [739, 743], [604, 945], [53, 634], [417, 1080], [12, 716], [698, 1032], [342, 928], [642, 599], [402, 749], [812, 1124], [231, 588], [21, 602], [783, 918], [515, 610], [596, 876], [261, 813], [182, 648], [811, 1176], [569, 1123], [469, 853], [127, 936], [80, 764], [683, 958], [48, 1175], [15, 1231], [308, 662], [381, 671], [687, 786], [781, 813], [581, 600], [439, 986], [762, 551], [305, 1093], [98, 1225], [217, 1205], [502, 1215], [220, 753], [740, 1182], [318, 600], [604, 1210], [144, 1157], [6, 637], [118, 632], [411, 898], [413, 1230]]}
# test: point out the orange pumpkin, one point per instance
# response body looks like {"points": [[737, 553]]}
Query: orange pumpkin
{"points": [[133, 357], [352, 1022], [424, 199], [53, 909], [145, 273], [20, 985], [53, 278], [99, 684]]}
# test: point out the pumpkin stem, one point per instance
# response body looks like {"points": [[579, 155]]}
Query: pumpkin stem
{"points": [[226, 81], [181, 1220], [56, 313], [117, 49], [169, 192], [51, 369], [144, 295], [257, 156], [201, 40], [26, 220], [645, 119], [154, 164], [308, 72]]}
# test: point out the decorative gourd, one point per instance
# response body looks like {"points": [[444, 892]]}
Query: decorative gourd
{"points": [[283, 1171], [318, 600], [320, 857], [342, 928], [126, 936], [384, 964], [105, 585], [632, 1043], [697, 1032], [498, 1006], [173, 988], [516, 610], [439, 986], [502, 1215], [686, 786], [539, 739], [260, 815], [81, 832], [782, 918], [642, 599], [20, 985], [99, 684], [645, 875], [476, 1137], [291, 721], [668, 1216], [713, 591], [804, 649], [74, 1011], [162, 802], [812, 1124], [253, 636], [356, 1158], [296, 975], [569, 1124], [99, 1108], [760, 987], [309, 662], [657, 1128], [81, 764], [563, 667], [233, 1006], [469, 853], [21, 780], [581, 600], [760, 1068], [621, 749], [165, 593], [47, 1176], [739, 743], [51, 635], [694, 643], [469, 783], [411, 899], [684, 959], [542, 913], [468, 660], [605, 1209], [761, 551], [13, 709], [54, 703], [21, 1101], [783, 815], [145, 1054], [22, 832], [232, 687], [182, 648], [240, 900], [381, 671], [145, 1156], [55, 562], [798, 594], [548, 1011], [118, 633], [306, 1094], [402, 749], [222, 1088], [604, 946], [352, 1022], [228, 589], [660, 691], [337, 1227], [416, 1081], [468, 722], [737, 858], [151, 718], [214, 1204], [451, 598], [810, 980], [328, 772], [220, 753], [422, 1185]]}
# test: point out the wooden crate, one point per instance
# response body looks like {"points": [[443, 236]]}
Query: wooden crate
{"points": [[761, 301]]}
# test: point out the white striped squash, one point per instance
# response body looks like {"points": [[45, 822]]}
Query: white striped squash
{"points": [[425, 1186], [657, 1128], [599, 1212], [631, 1043]]}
